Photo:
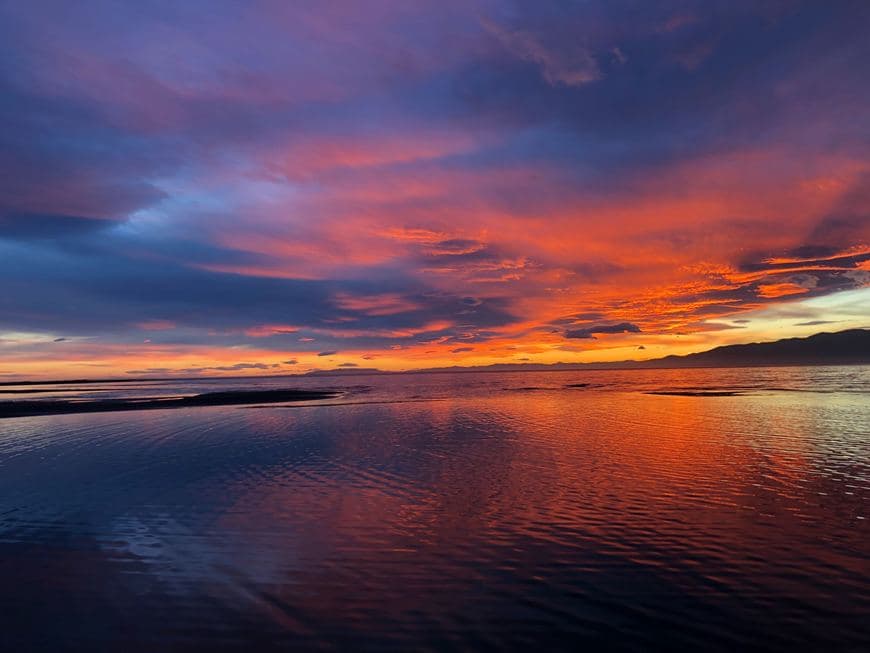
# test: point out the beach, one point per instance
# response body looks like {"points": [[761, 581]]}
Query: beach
{"points": [[447, 511]]}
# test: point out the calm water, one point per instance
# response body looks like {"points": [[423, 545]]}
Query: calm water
{"points": [[448, 511]]}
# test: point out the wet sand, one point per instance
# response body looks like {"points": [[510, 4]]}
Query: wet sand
{"points": [[62, 407]]}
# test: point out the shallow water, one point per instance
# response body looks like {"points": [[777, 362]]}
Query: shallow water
{"points": [[446, 511]]}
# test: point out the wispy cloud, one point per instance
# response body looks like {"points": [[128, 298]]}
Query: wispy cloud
{"points": [[575, 66]]}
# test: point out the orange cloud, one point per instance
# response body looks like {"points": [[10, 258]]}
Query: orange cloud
{"points": [[156, 325], [780, 290], [266, 330], [375, 305]]}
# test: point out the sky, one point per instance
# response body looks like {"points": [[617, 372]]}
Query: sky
{"points": [[269, 187]]}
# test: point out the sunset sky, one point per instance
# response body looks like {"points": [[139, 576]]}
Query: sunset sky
{"points": [[227, 187]]}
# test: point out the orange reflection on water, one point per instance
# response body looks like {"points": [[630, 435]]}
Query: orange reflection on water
{"points": [[475, 508]]}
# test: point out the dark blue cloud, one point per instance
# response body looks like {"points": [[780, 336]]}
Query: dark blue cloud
{"points": [[590, 331], [89, 287], [37, 226]]}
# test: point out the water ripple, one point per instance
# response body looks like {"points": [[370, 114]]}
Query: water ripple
{"points": [[486, 519]]}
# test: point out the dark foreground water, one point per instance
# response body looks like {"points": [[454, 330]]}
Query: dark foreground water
{"points": [[450, 511]]}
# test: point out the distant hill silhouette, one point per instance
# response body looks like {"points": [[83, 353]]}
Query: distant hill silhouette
{"points": [[850, 347]]}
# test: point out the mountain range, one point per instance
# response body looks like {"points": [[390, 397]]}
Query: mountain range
{"points": [[851, 347]]}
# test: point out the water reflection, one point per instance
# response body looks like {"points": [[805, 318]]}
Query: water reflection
{"points": [[559, 518]]}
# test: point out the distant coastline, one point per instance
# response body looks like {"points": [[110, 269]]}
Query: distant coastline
{"points": [[850, 347]]}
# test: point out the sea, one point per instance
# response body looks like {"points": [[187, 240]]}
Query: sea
{"points": [[618, 510]]}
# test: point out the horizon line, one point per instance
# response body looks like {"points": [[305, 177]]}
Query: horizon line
{"points": [[558, 366]]}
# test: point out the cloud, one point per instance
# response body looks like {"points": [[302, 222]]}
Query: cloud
{"points": [[552, 170], [36, 226], [327, 353], [152, 370], [815, 323], [454, 247], [240, 366], [783, 289], [292, 361], [376, 305], [348, 365], [156, 325], [590, 331], [236, 367], [267, 330], [459, 350], [569, 66]]}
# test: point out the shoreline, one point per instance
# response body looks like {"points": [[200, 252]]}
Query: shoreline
{"points": [[592, 367], [26, 408]]}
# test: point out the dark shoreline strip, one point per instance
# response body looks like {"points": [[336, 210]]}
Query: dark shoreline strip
{"points": [[697, 393], [36, 408], [376, 402]]}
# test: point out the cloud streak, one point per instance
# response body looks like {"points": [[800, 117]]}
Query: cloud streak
{"points": [[289, 181]]}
